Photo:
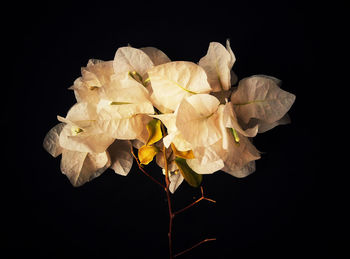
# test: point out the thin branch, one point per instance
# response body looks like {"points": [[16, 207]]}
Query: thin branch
{"points": [[198, 244], [167, 182], [143, 171], [193, 203]]}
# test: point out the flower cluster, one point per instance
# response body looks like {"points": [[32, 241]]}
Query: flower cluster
{"points": [[198, 114]]}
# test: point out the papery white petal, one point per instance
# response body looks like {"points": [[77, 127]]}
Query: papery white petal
{"points": [[205, 168], [239, 154], [84, 142], [81, 167], [175, 181], [230, 121], [173, 81], [217, 64], [97, 74], [121, 157], [122, 88], [246, 170], [94, 76], [83, 93], [260, 97], [124, 123], [51, 140], [180, 143], [128, 59], [81, 112], [157, 56], [264, 126], [196, 119]]}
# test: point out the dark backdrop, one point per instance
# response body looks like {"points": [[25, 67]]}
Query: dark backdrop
{"points": [[281, 211]]}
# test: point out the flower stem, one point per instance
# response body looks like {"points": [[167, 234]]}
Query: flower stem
{"points": [[193, 203], [143, 171], [171, 214], [198, 244]]}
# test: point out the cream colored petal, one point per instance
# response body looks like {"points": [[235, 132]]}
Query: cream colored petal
{"points": [[239, 154], [157, 56], [99, 73], [83, 142], [168, 119], [232, 56], [174, 136], [205, 168], [175, 181], [128, 59], [121, 157], [90, 78], [123, 109], [122, 88], [180, 143], [158, 103], [230, 121], [51, 140], [217, 64], [120, 126], [197, 120], [173, 81], [81, 112], [81, 167], [260, 97], [246, 170], [264, 126], [83, 93]]}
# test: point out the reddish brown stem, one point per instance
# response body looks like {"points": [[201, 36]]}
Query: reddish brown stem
{"points": [[198, 244], [143, 171], [171, 215], [193, 203]]}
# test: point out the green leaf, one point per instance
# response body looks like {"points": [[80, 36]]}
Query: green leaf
{"points": [[154, 131], [191, 177]]}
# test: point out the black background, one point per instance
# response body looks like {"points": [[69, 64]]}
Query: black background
{"points": [[286, 209]]}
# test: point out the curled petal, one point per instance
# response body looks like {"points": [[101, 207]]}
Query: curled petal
{"points": [[83, 141], [157, 56], [246, 170], [217, 64], [81, 167], [51, 140], [81, 114], [197, 120], [230, 121], [122, 88], [260, 98], [175, 179], [239, 154], [124, 121], [171, 82], [121, 157], [128, 59]]}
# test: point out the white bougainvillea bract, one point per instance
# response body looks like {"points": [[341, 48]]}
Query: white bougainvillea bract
{"points": [[199, 113]]}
